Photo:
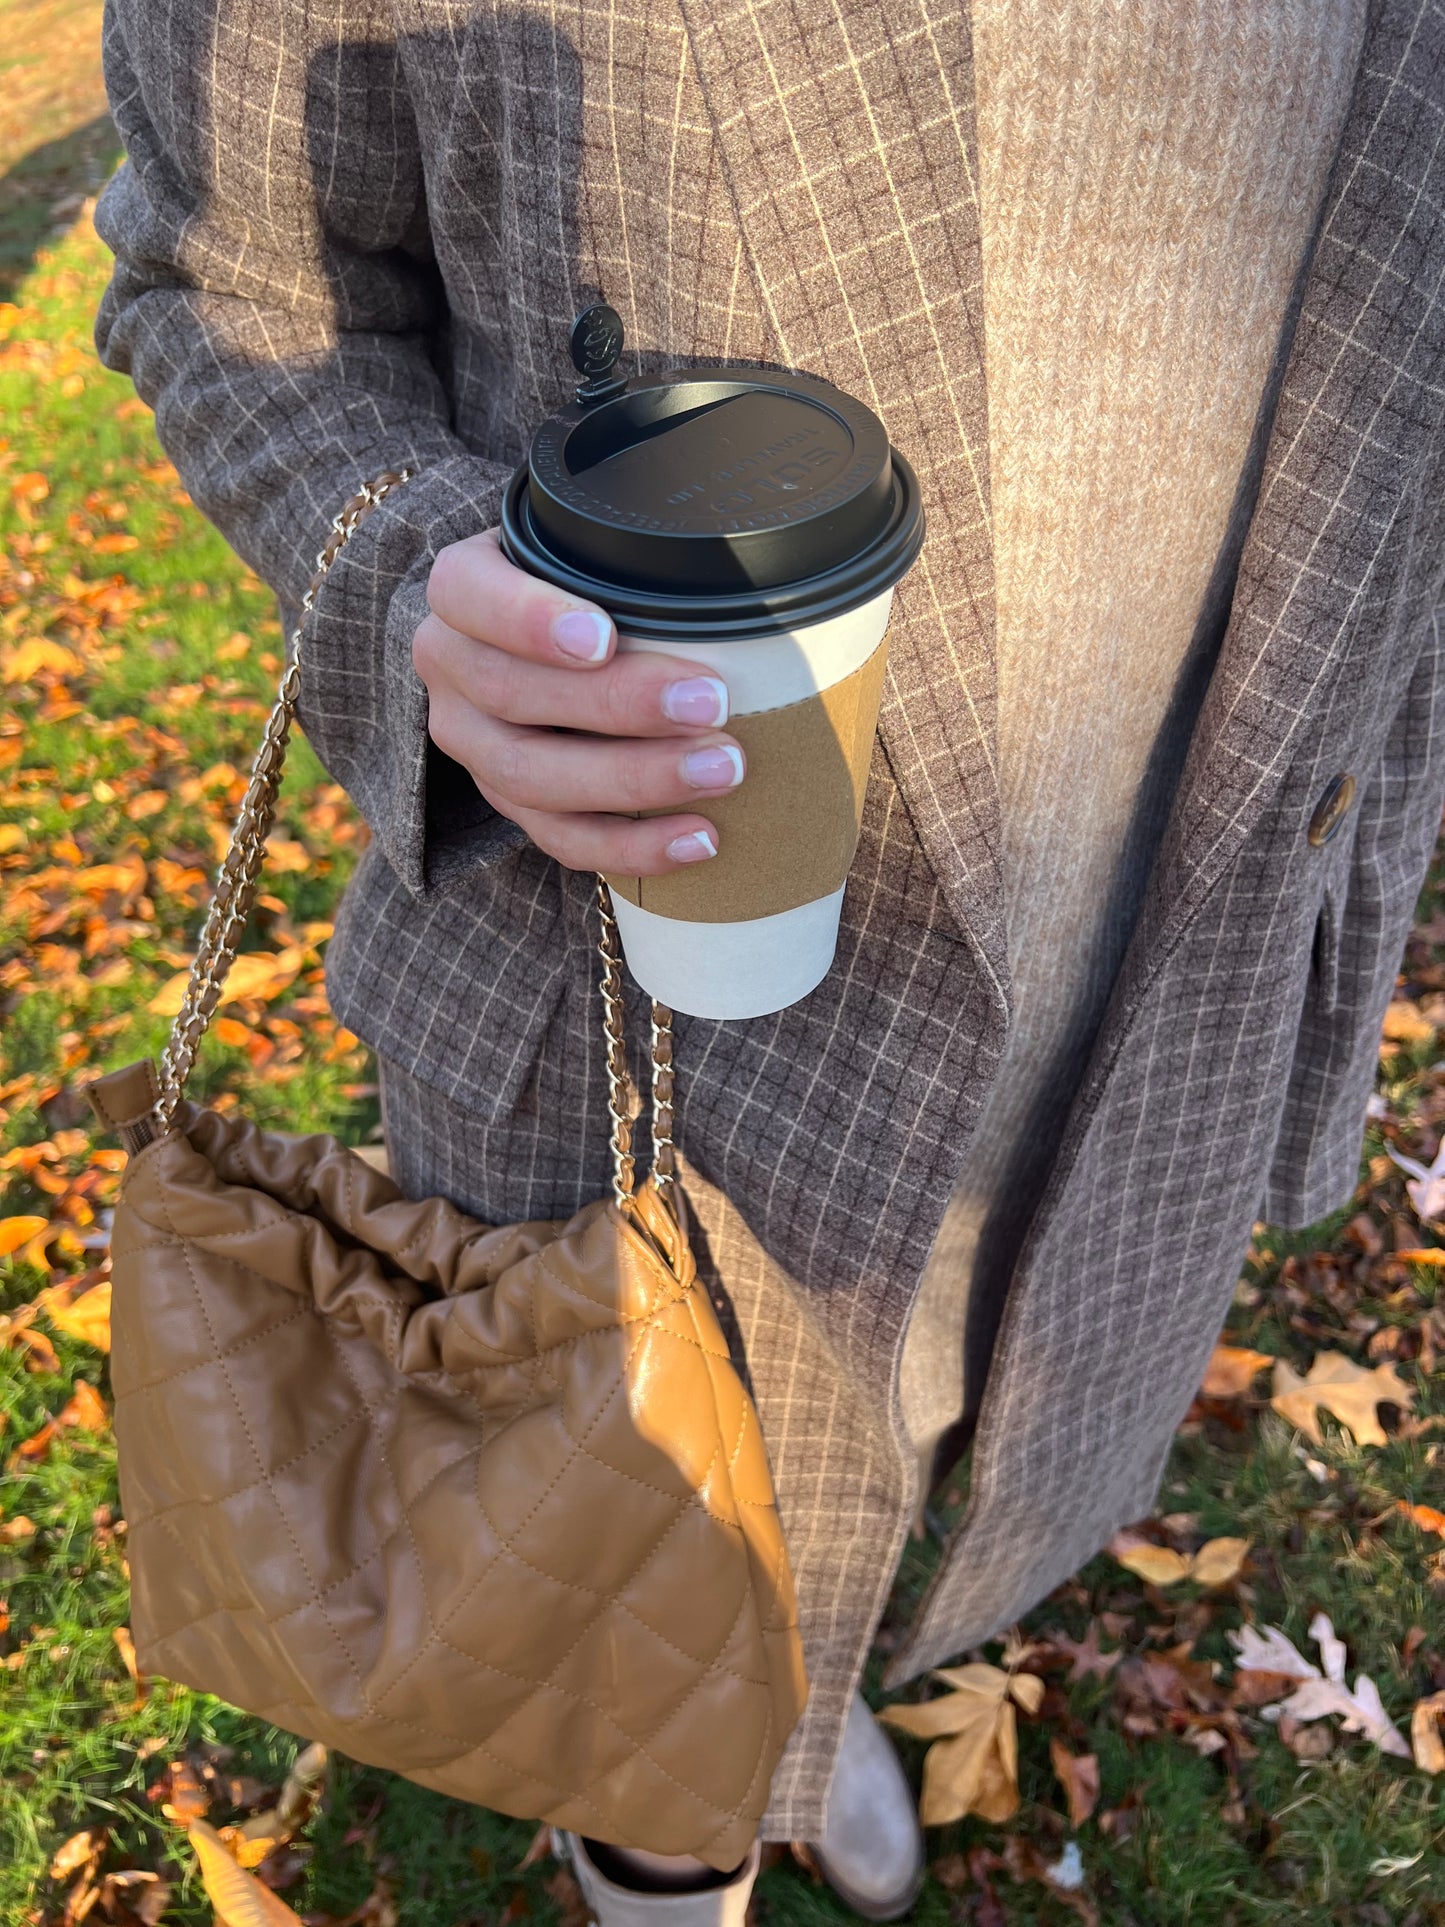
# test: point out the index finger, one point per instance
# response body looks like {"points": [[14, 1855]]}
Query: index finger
{"points": [[476, 590]]}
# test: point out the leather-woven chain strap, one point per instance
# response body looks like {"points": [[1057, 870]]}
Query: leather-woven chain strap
{"points": [[240, 872]]}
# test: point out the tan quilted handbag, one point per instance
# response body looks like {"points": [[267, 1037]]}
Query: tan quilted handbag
{"points": [[488, 1506]]}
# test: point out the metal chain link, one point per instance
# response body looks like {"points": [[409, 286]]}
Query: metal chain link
{"points": [[241, 869], [619, 1078], [240, 872], [619, 1082]]}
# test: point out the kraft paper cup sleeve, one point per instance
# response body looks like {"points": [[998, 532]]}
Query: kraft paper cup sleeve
{"points": [[787, 836]]}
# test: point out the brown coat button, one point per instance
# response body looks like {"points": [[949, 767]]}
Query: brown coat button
{"points": [[1330, 811]]}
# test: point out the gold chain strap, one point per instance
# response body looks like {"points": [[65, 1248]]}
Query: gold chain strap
{"points": [[241, 869], [619, 1083]]}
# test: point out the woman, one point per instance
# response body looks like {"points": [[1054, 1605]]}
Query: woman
{"points": [[1151, 300]]}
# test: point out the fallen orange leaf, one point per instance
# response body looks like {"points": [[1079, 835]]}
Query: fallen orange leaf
{"points": [[1424, 1516], [1406, 1023], [86, 1317], [258, 973], [1231, 1371], [15, 1232], [84, 1411], [37, 1447], [37, 657]]}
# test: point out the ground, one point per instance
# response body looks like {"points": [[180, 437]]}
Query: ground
{"points": [[136, 656]]}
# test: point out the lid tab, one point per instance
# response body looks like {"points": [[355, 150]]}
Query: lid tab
{"points": [[595, 344]]}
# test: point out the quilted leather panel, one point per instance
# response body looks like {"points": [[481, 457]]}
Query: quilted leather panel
{"points": [[487, 1506]]}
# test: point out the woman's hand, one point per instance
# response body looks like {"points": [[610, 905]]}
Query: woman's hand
{"points": [[559, 732]]}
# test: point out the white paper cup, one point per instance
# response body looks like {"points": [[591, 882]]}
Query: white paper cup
{"points": [[755, 928]]}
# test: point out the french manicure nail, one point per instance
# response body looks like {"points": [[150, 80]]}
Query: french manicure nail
{"points": [[582, 633], [701, 699], [719, 767], [696, 847]]}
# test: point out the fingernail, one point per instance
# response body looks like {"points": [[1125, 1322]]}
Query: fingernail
{"points": [[582, 633], [719, 767], [696, 847], [702, 699]]}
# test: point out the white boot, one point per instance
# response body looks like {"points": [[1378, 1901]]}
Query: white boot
{"points": [[871, 1853], [611, 1905]]}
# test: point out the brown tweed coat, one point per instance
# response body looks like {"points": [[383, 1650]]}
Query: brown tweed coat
{"points": [[353, 236]]}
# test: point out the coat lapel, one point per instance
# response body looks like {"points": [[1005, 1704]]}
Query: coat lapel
{"points": [[1350, 445], [847, 132]]}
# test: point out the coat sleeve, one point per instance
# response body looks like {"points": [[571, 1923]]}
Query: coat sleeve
{"points": [[1363, 926], [276, 302]]}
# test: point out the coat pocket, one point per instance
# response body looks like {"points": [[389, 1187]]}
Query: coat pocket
{"points": [[1371, 888], [457, 992]]}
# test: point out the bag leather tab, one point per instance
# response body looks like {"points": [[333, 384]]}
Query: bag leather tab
{"points": [[125, 1100]]}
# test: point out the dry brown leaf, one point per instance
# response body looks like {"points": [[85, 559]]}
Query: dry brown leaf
{"points": [[972, 1766], [81, 1849], [239, 1898], [1218, 1561], [1231, 1370], [301, 1789], [1215, 1564], [1427, 1734], [42, 1354], [134, 1894], [1078, 1775], [1156, 1565], [1336, 1384], [1086, 1660], [183, 1798]]}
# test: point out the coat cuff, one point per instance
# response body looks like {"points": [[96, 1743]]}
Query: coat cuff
{"points": [[363, 705]]}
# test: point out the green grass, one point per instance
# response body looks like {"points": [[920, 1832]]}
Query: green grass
{"points": [[178, 647]]}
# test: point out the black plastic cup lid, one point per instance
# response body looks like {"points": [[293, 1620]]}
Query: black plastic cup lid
{"points": [[718, 501]]}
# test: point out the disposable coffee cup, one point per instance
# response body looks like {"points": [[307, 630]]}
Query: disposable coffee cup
{"points": [[755, 524]]}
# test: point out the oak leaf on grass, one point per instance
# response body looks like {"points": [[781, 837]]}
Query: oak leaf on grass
{"points": [[1350, 1393], [973, 1763], [1318, 1694]]}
